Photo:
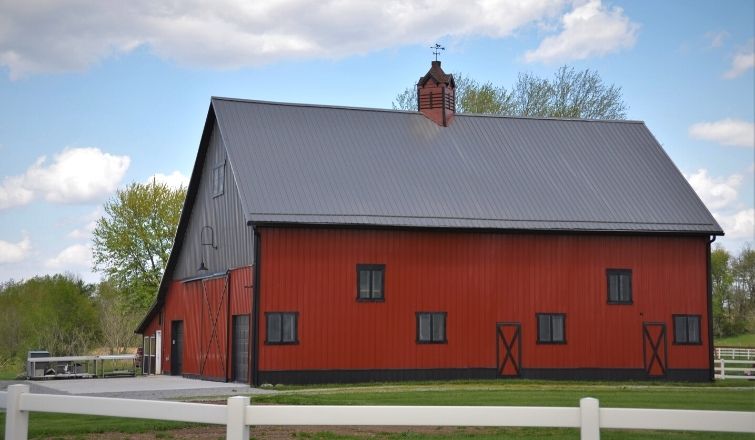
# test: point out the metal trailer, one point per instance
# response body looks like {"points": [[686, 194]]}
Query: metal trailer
{"points": [[79, 367]]}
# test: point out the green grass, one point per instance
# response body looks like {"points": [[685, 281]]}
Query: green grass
{"points": [[746, 340], [44, 425], [732, 396]]}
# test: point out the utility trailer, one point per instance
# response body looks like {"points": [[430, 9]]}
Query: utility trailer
{"points": [[42, 367]]}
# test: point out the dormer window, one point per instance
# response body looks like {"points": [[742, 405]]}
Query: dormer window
{"points": [[218, 180]]}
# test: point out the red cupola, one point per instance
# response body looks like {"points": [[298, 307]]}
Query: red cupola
{"points": [[436, 95]]}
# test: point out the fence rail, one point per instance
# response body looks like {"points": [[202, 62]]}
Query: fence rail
{"points": [[734, 369], [238, 415], [735, 353]]}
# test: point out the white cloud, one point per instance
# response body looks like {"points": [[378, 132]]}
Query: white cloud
{"points": [[175, 179], [14, 252], [76, 175], [733, 132], [85, 232], [715, 192], [71, 35], [740, 224], [716, 39], [590, 29], [75, 256], [742, 61]]}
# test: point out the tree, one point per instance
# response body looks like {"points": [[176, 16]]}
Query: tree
{"points": [[117, 320], [54, 313], [733, 280], [132, 241], [569, 94], [722, 280]]}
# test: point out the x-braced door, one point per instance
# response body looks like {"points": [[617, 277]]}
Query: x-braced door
{"points": [[654, 348], [509, 348], [215, 328]]}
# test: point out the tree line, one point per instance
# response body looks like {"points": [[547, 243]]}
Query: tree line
{"points": [[733, 279]]}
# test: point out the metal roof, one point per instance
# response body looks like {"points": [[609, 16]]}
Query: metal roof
{"points": [[307, 164]]}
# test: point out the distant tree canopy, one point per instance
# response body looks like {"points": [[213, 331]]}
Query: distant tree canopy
{"points": [[733, 280], [132, 241], [54, 313], [569, 94]]}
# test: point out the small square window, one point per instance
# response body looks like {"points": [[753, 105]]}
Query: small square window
{"points": [[370, 280], [619, 286], [687, 329], [282, 328], [551, 328], [218, 180], [431, 327]]}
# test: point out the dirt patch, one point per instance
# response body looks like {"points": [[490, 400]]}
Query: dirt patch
{"points": [[287, 432]]}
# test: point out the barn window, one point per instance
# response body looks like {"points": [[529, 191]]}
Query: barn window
{"points": [[370, 279], [619, 286], [551, 328], [686, 329], [218, 180], [431, 327], [282, 328]]}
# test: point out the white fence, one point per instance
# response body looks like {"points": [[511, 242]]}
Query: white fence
{"points": [[737, 369], [238, 415], [735, 353]]}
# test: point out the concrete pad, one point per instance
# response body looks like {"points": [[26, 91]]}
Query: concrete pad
{"points": [[142, 387]]}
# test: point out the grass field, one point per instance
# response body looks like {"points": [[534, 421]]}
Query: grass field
{"points": [[746, 340], [729, 395]]}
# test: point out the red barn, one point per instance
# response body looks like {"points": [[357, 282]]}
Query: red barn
{"points": [[335, 244]]}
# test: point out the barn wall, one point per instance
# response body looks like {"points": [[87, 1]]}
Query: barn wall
{"points": [[479, 279], [224, 214], [206, 307]]}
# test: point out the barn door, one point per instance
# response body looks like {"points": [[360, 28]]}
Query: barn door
{"points": [[240, 353], [509, 348], [214, 334], [176, 347], [654, 348]]}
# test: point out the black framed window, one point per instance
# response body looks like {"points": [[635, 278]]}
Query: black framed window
{"points": [[687, 329], [370, 282], [619, 286], [282, 328], [431, 327], [218, 180], [551, 328]]}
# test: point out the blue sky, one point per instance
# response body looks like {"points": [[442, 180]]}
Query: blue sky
{"points": [[95, 96]]}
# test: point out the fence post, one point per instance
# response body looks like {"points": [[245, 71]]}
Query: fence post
{"points": [[16, 421], [236, 427], [589, 415], [723, 369]]}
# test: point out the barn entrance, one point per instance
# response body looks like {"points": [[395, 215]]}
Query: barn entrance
{"points": [[240, 353], [654, 348], [176, 347], [508, 348]]}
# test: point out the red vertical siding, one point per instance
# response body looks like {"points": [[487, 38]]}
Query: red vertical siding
{"points": [[199, 304], [479, 279]]}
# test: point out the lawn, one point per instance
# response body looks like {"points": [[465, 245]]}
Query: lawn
{"points": [[746, 340], [728, 395]]}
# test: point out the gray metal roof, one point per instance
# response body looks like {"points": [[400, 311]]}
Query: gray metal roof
{"points": [[297, 163]]}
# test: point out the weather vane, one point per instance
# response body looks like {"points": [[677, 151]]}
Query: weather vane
{"points": [[437, 48]]}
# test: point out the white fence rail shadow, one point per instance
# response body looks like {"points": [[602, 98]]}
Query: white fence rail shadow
{"points": [[735, 353], [238, 415], [734, 369]]}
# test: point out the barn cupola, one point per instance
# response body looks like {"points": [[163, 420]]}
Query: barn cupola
{"points": [[436, 97]]}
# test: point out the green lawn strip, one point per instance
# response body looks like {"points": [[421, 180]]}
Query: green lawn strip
{"points": [[745, 340], [43, 425]]}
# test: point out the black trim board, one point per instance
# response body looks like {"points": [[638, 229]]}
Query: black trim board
{"points": [[356, 376]]}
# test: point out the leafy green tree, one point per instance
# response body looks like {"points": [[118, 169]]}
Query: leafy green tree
{"points": [[117, 320], [733, 279], [132, 241], [722, 280], [569, 94], [55, 313]]}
